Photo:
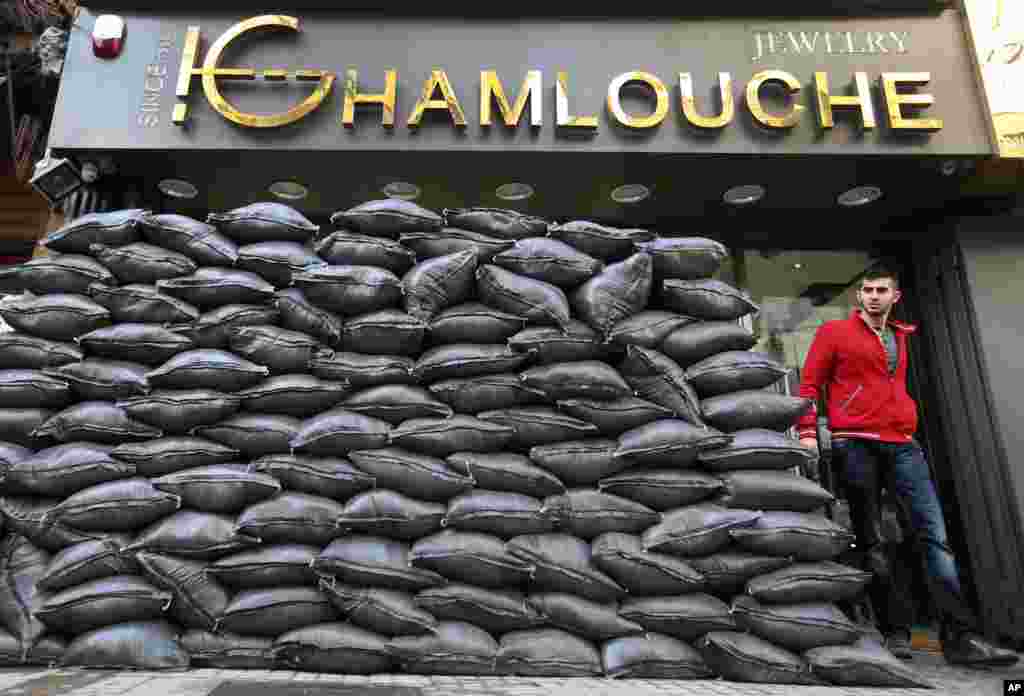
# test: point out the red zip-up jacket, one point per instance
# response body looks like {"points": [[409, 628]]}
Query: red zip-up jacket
{"points": [[864, 400]]}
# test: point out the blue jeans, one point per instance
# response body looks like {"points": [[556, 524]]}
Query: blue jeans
{"points": [[868, 466]]}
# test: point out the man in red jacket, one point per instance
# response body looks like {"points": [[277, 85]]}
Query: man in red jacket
{"points": [[862, 360]]}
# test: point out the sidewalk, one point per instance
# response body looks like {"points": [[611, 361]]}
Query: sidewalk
{"points": [[204, 682]]}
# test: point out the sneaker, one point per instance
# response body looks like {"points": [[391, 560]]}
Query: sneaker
{"points": [[898, 643], [970, 649]]}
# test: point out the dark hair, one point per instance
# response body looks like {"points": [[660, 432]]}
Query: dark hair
{"points": [[879, 272]]}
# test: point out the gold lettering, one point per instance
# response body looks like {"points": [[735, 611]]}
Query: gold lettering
{"points": [[808, 44], [778, 41], [449, 102], [660, 96], [900, 39], [563, 118], [828, 42], [149, 120], [895, 100], [158, 81], [849, 43], [827, 102], [754, 99], [156, 70], [353, 96], [876, 42], [490, 88], [689, 102], [760, 46], [150, 98]]}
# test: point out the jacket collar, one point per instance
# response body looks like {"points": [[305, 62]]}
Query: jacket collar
{"points": [[895, 325]]}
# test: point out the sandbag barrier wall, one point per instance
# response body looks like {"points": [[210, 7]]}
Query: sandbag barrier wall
{"points": [[476, 443]]}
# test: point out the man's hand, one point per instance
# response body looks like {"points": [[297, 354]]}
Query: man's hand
{"points": [[810, 443]]}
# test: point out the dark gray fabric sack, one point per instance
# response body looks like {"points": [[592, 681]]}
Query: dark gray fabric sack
{"points": [[772, 490], [387, 612], [648, 328], [480, 559], [202, 536], [864, 663], [735, 370], [20, 351], [802, 536], [142, 263], [395, 403], [28, 517], [275, 261], [207, 369], [228, 650], [388, 331], [97, 603], [656, 377], [19, 425], [697, 530], [661, 489], [570, 342], [607, 243], [463, 360], [550, 260], [198, 599], [374, 562], [65, 469], [273, 611], [103, 380], [694, 342], [727, 572], [177, 412], [449, 240], [669, 442], [620, 291], [532, 426], [643, 573], [197, 240], [139, 303], [169, 454], [86, 561], [46, 652], [547, 652], [585, 379], [536, 301], [796, 627], [297, 313], [281, 350], [298, 395], [213, 329], [590, 620], [419, 475], [364, 370], [218, 488], [438, 283], [745, 658], [34, 389], [453, 648], [652, 656], [334, 433], [823, 581], [350, 290], [472, 322], [116, 228], [495, 611], [485, 393], [264, 221], [388, 217], [587, 514], [214, 287], [757, 448], [253, 435], [60, 317], [146, 645], [496, 222], [334, 647], [440, 437], [344, 248], [506, 472], [22, 564], [563, 564], [686, 617], [616, 416], [710, 300], [292, 518], [270, 565], [115, 506], [501, 514], [95, 421], [389, 514], [579, 462], [66, 273], [688, 258], [753, 409], [330, 477], [148, 344]]}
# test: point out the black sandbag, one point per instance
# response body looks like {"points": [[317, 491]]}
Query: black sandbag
{"points": [[20, 351], [34, 389], [753, 409], [228, 650], [275, 261], [292, 518], [864, 663], [563, 564], [103, 380], [697, 530], [687, 258], [506, 472], [495, 611], [656, 377], [60, 317], [550, 260], [710, 300], [662, 489], [213, 287], [652, 656], [336, 432], [615, 417], [218, 488], [345, 248], [461, 360], [440, 437], [387, 217], [54, 273], [281, 350], [419, 475], [374, 562], [450, 240], [547, 652], [350, 290], [115, 506], [584, 379], [387, 612], [95, 421], [587, 514], [745, 658], [772, 490], [454, 647], [579, 462], [728, 571], [298, 395], [273, 611], [395, 403], [803, 536], [270, 565], [45, 652], [21, 565], [142, 263], [502, 514], [480, 559], [334, 647], [692, 343], [116, 228], [146, 645], [331, 477], [148, 344], [264, 221], [28, 517], [253, 435], [757, 448], [177, 412], [534, 300], [213, 329], [648, 328], [496, 222], [364, 370], [532, 426], [590, 620], [87, 561], [140, 303], [297, 313], [389, 514], [19, 425], [169, 454], [570, 342], [65, 469], [202, 536], [485, 393], [207, 369], [97, 603], [197, 240], [736, 370], [608, 243], [438, 283], [644, 573], [669, 442], [686, 617], [620, 291], [472, 322], [388, 331], [824, 581], [796, 627]]}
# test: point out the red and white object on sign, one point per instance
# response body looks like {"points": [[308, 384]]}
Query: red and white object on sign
{"points": [[107, 36]]}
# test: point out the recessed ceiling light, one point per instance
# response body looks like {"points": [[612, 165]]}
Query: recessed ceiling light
{"points": [[860, 195], [797, 266], [401, 189], [513, 192], [630, 193], [744, 195], [288, 190], [177, 188]]}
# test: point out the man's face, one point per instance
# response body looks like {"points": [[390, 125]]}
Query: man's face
{"points": [[877, 296]]}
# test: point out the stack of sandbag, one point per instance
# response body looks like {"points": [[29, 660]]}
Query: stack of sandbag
{"points": [[475, 443]]}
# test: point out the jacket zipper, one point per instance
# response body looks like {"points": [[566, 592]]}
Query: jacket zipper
{"points": [[852, 396]]}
